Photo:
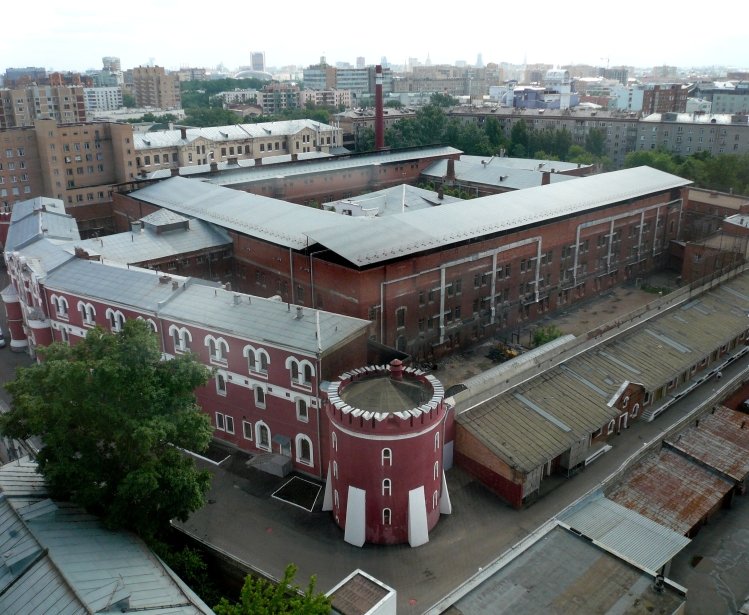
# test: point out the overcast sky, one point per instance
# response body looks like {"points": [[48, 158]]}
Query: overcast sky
{"points": [[74, 36]]}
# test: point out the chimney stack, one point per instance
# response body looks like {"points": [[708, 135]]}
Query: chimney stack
{"points": [[545, 178], [299, 313], [214, 168], [379, 113], [396, 369], [183, 132]]}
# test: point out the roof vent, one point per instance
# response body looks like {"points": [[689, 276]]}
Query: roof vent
{"points": [[164, 279], [237, 299], [299, 313]]}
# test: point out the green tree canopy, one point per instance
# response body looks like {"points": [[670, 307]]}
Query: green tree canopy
{"points": [[261, 597], [111, 414], [442, 100]]}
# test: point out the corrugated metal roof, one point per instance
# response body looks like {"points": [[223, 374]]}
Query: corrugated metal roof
{"points": [[577, 391], [625, 532], [671, 490], [57, 559], [563, 573], [255, 318], [720, 440]]}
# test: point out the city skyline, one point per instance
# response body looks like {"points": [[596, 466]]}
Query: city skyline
{"points": [[171, 35]]}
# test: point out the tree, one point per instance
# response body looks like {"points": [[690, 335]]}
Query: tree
{"points": [[442, 100], [543, 335], [261, 597], [595, 141], [111, 414], [128, 100]]}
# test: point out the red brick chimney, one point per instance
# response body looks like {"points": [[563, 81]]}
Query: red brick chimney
{"points": [[545, 178]]}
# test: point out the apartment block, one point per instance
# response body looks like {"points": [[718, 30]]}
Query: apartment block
{"points": [[22, 106], [102, 99], [153, 87]]}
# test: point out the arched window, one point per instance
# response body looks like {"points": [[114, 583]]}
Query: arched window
{"points": [[335, 469], [61, 307], [302, 412], [436, 473], [221, 384], [387, 457], [387, 487], [116, 320], [262, 436], [294, 371], [217, 349], [251, 362], [435, 499], [612, 426], [387, 515], [335, 497], [334, 440], [303, 449], [635, 411], [437, 441], [307, 374], [264, 361], [88, 313]]}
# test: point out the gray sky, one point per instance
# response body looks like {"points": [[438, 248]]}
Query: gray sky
{"points": [[75, 36]]}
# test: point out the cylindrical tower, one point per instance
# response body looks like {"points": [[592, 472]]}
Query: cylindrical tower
{"points": [[386, 436]]}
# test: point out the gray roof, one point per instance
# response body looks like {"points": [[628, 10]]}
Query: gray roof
{"points": [[171, 138], [395, 200], [690, 118], [38, 218], [45, 255], [397, 236], [526, 164], [570, 401], [361, 243], [494, 174], [231, 171], [139, 289], [262, 172], [58, 559], [625, 532], [265, 320], [563, 573], [148, 245]]}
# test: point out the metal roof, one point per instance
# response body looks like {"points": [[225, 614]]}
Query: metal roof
{"points": [[671, 490], [171, 138], [139, 289], [494, 173], [244, 175], [39, 218], [397, 236], [272, 220], [227, 170], [690, 118], [266, 320], [576, 393], [720, 440], [563, 573], [625, 532], [146, 245], [361, 243], [58, 559], [44, 255], [395, 200]]}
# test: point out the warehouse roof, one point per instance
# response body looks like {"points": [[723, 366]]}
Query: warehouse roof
{"points": [[568, 402]]}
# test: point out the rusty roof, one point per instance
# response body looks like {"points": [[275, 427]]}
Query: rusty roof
{"points": [[671, 490], [720, 440]]}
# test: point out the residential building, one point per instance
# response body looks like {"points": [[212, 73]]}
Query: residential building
{"points": [[685, 134], [102, 99], [326, 98], [665, 98], [359, 81], [153, 87], [257, 61], [111, 64], [24, 76], [23, 106]]}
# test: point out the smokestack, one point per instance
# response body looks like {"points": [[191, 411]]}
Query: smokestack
{"points": [[545, 178], [183, 132], [379, 113], [450, 177]]}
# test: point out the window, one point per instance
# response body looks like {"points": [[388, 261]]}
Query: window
{"points": [[387, 457], [437, 441], [260, 397], [436, 472], [302, 412], [335, 469], [61, 307], [334, 440], [435, 499], [181, 339], [612, 426], [217, 349], [88, 314], [387, 515], [262, 436], [220, 422], [64, 336], [387, 487], [304, 450], [247, 430], [221, 384], [116, 320], [635, 411], [400, 317], [229, 423]]}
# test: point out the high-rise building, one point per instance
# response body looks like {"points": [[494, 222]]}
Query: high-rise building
{"points": [[21, 106], [111, 64], [24, 76], [153, 87], [257, 60], [360, 62]]}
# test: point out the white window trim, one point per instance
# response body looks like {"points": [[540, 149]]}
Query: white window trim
{"points": [[220, 424], [259, 441], [387, 455], [334, 440], [298, 446], [387, 516], [248, 427], [387, 487], [258, 403], [297, 402], [229, 420], [219, 376]]}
